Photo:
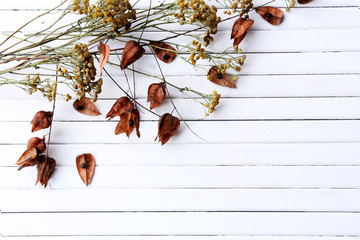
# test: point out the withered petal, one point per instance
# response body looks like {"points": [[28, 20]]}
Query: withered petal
{"points": [[272, 15], [128, 121], [104, 55], [45, 167], [85, 164], [86, 106], [221, 79], [156, 94]]}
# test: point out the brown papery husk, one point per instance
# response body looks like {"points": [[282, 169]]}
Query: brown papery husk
{"points": [[86, 173], [272, 15], [41, 120], [131, 53], [86, 106], [225, 79], [121, 105], [163, 51], [156, 94], [167, 127]]}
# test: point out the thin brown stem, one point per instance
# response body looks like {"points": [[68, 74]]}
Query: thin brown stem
{"points": [[172, 102], [112, 79]]}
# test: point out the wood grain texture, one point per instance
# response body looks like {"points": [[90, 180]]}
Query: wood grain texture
{"points": [[281, 160]]}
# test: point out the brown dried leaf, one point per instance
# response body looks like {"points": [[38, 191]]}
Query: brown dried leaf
{"points": [[104, 55], [240, 28], [38, 143], [41, 120], [304, 1], [28, 158], [221, 79], [132, 52], [128, 121], [86, 106], [45, 167], [85, 164], [121, 105], [163, 51], [271, 14], [168, 126], [156, 94]]}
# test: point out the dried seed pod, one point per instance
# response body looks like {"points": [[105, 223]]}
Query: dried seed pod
{"points": [[38, 143], [156, 94], [85, 164], [85, 106], [128, 121], [41, 120], [28, 158], [45, 167], [221, 79], [167, 127], [271, 14], [304, 1], [240, 28], [104, 55], [121, 105], [132, 52], [163, 51]]}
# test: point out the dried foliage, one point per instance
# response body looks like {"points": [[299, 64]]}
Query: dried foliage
{"points": [[45, 167], [167, 127], [85, 164], [304, 1], [156, 94], [28, 158], [85, 106], [37, 143], [163, 51], [41, 121], [104, 55], [132, 52], [239, 29], [271, 14], [121, 105], [128, 121], [221, 79]]}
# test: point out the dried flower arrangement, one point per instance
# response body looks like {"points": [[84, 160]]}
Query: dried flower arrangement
{"points": [[61, 57]]}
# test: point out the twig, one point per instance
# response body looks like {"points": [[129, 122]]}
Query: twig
{"points": [[163, 76], [112, 79]]}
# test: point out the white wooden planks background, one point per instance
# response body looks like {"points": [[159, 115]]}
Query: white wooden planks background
{"points": [[281, 161]]}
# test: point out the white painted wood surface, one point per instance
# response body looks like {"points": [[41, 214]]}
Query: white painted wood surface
{"points": [[281, 160]]}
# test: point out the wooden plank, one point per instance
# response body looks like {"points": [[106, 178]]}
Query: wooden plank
{"points": [[240, 109], [300, 19], [314, 154], [194, 177], [340, 131], [329, 224], [278, 200], [256, 64], [247, 86], [276, 41], [44, 4], [184, 238]]}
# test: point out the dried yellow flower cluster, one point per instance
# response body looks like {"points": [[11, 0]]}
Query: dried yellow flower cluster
{"points": [[199, 11], [85, 72], [118, 13], [245, 5]]}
